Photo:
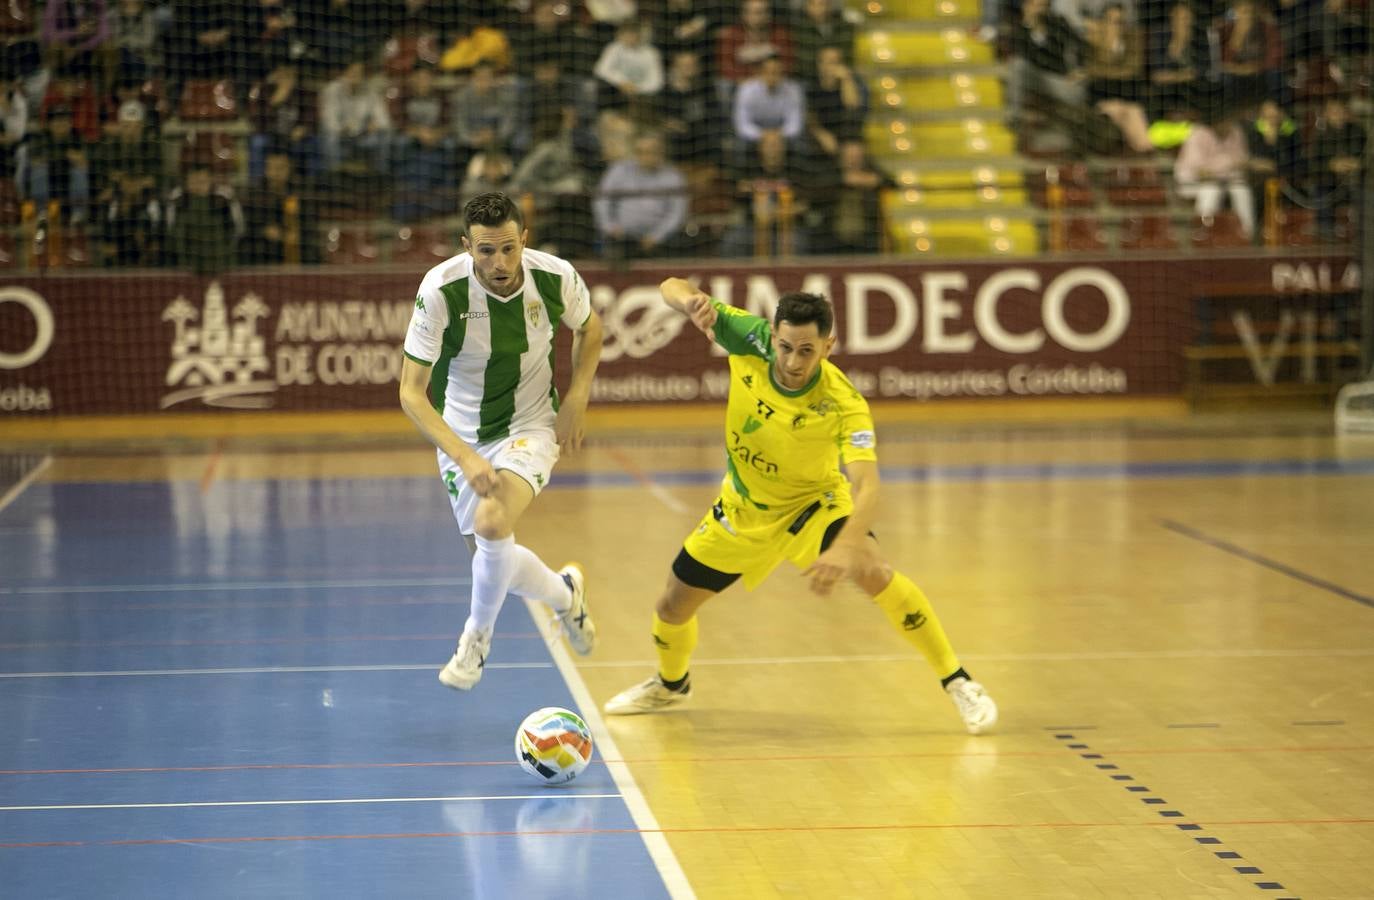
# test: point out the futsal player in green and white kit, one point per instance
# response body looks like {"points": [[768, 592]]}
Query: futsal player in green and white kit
{"points": [[478, 381], [791, 420]]}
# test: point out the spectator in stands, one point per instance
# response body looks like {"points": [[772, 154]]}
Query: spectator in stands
{"points": [[821, 24], [267, 238], [1275, 149], [836, 103], [424, 151], [136, 39], [628, 69], [768, 102], [1320, 36], [848, 211], [14, 124], [74, 33], [550, 31], [556, 182], [284, 114], [1211, 164], [272, 38], [1178, 60], [340, 31], [488, 172], [692, 120], [1335, 168], [131, 153], [77, 95], [756, 37], [204, 225], [772, 195], [641, 203], [485, 112], [53, 166], [1251, 56], [1045, 68], [481, 41], [1116, 58], [130, 224], [355, 124], [204, 41], [687, 26], [1085, 16]]}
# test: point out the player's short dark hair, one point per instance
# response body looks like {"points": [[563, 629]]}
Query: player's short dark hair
{"points": [[491, 210], [800, 308]]}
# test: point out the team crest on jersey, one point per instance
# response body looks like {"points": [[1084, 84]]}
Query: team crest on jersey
{"points": [[532, 311]]}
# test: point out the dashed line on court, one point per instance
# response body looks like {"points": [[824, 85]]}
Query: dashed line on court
{"points": [[1127, 781]]}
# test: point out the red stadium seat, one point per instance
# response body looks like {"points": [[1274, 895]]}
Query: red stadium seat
{"points": [[9, 257], [207, 101], [1136, 186], [354, 247], [1297, 227], [1084, 234], [76, 249], [421, 246], [1221, 231], [9, 203], [215, 149], [1074, 181], [1147, 233]]}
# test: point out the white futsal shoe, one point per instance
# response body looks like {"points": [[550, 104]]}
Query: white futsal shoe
{"points": [[465, 668], [647, 697], [975, 706], [576, 621]]}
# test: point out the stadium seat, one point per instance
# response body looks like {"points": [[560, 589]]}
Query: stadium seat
{"points": [[1147, 233], [215, 149], [1084, 234], [964, 238], [1075, 186], [9, 203], [1136, 186], [207, 101], [352, 247], [421, 246], [76, 249], [9, 258], [1221, 231], [16, 17], [1297, 227]]}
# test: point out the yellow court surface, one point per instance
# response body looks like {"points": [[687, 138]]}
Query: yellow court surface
{"points": [[1175, 616]]}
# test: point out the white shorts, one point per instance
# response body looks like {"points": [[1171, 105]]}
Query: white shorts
{"points": [[530, 455]]}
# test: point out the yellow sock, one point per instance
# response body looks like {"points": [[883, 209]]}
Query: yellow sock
{"points": [[675, 644], [911, 613]]}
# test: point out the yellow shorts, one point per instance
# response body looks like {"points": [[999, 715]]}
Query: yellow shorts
{"points": [[743, 539]]}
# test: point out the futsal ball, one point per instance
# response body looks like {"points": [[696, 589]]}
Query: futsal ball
{"points": [[554, 745]]}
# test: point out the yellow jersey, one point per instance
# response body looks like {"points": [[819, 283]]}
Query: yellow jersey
{"points": [[784, 448]]}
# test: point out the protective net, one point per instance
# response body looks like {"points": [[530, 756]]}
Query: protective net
{"points": [[276, 145]]}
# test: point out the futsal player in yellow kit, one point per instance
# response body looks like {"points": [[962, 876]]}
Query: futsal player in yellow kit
{"points": [[792, 419]]}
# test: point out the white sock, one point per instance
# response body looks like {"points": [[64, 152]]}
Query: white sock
{"points": [[530, 577], [492, 567]]}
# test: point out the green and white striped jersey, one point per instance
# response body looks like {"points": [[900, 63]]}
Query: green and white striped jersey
{"points": [[492, 357]]}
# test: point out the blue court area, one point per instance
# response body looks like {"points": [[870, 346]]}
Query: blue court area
{"points": [[233, 694]]}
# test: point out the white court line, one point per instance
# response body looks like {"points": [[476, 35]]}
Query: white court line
{"points": [[456, 581], [543, 796], [260, 670], [22, 484], [743, 661], [669, 869]]}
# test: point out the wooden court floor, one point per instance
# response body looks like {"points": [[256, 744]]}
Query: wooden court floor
{"points": [[1175, 617]]}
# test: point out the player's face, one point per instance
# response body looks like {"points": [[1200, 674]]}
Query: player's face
{"points": [[496, 251], [797, 353]]}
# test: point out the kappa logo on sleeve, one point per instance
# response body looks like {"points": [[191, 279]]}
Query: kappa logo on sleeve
{"points": [[863, 440]]}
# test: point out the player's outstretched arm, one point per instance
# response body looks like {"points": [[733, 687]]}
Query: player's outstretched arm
{"points": [[415, 401], [692, 302]]}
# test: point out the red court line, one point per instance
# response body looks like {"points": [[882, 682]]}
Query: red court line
{"points": [[208, 476], [649, 761], [337, 639], [699, 829]]}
